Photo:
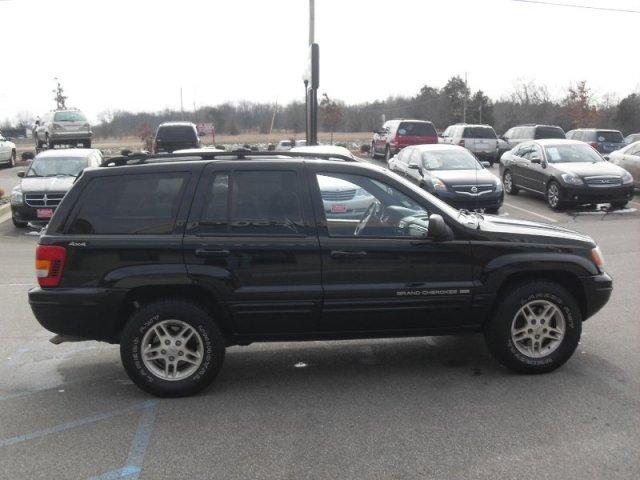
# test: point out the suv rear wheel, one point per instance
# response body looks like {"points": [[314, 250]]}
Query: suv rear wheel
{"points": [[387, 154], [535, 328], [373, 150], [172, 348]]}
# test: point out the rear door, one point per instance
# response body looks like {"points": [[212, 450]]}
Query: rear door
{"points": [[379, 273], [251, 242], [534, 176], [416, 133]]}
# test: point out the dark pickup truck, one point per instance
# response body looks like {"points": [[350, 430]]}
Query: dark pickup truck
{"points": [[175, 257]]}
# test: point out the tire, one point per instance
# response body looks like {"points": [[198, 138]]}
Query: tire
{"points": [[387, 154], [206, 340], [50, 143], [86, 144], [514, 351], [618, 205], [12, 160], [509, 184], [373, 151], [553, 195], [18, 223]]}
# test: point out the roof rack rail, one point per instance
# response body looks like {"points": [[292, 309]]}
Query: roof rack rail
{"points": [[240, 154]]}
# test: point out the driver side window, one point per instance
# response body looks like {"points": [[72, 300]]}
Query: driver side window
{"points": [[356, 205]]}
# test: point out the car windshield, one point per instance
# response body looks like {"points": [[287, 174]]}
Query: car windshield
{"points": [[416, 129], [57, 166], [479, 132], [179, 133], [69, 117], [450, 160], [572, 154], [610, 136], [549, 132]]}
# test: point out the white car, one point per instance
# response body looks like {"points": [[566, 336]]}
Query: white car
{"points": [[284, 146], [7, 152], [629, 159]]}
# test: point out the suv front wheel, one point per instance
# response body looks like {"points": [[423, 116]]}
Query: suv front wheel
{"points": [[535, 328], [172, 348]]}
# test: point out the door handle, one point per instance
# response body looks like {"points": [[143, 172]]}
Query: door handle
{"points": [[345, 254], [205, 252]]}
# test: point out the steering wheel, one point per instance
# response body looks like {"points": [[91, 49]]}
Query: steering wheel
{"points": [[373, 209]]}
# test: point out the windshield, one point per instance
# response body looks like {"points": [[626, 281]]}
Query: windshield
{"points": [[572, 153], [610, 136], [69, 117], [549, 132], [56, 166], [479, 132], [416, 129], [450, 160]]}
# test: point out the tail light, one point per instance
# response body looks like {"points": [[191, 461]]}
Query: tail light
{"points": [[50, 264], [461, 143], [395, 140]]}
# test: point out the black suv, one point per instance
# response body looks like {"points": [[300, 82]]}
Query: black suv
{"points": [[176, 260], [172, 136]]}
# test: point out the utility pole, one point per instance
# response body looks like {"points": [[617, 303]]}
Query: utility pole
{"points": [[464, 102], [312, 21], [311, 90]]}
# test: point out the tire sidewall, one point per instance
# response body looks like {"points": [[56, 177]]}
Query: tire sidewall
{"points": [[510, 189], [145, 319], [499, 330]]}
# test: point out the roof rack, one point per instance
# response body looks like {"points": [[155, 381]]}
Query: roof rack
{"points": [[241, 154]]}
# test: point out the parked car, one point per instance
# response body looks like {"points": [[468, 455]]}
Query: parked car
{"points": [[604, 141], [341, 199], [503, 146], [46, 181], [524, 133], [629, 159], [63, 127], [397, 134], [565, 172], [243, 251], [300, 143], [481, 140], [171, 136], [451, 173], [284, 145], [7, 152], [634, 137]]}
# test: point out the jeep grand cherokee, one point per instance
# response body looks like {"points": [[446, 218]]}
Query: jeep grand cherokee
{"points": [[176, 260]]}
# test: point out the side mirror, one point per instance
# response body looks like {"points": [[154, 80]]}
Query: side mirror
{"points": [[485, 164], [20, 174], [415, 166], [537, 160], [606, 157], [438, 229]]}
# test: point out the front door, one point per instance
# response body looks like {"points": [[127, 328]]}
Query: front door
{"points": [[379, 272], [251, 242]]}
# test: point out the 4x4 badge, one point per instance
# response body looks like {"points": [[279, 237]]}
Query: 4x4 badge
{"points": [[77, 244]]}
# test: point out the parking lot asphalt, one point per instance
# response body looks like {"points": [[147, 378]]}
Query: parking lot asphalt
{"points": [[436, 407]]}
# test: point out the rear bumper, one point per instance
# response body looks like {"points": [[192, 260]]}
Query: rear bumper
{"points": [[597, 194], [597, 290], [57, 136], [90, 313]]}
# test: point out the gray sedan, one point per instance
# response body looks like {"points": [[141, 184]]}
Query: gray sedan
{"points": [[629, 159]]}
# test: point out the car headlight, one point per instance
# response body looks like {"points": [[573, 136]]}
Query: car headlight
{"points": [[361, 192], [17, 198], [438, 184], [597, 258], [498, 186], [571, 179], [627, 178]]}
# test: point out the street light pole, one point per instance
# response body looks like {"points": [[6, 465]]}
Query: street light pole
{"points": [[312, 21]]}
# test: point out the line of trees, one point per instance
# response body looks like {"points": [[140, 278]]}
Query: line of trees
{"points": [[527, 103]]}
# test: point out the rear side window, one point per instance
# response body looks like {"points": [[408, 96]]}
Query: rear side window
{"points": [[479, 132], [549, 132], [610, 136], [178, 133], [130, 205], [417, 129], [252, 202]]}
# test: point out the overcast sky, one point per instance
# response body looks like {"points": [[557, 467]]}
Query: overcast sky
{"points": [[136, 54]]}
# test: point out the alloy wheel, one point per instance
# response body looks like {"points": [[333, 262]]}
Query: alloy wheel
{"points": [[553, 195], [538, 328], [172, 350]]}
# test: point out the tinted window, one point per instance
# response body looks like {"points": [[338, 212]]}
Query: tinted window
{"points": [[549, 132], [610, 136], [130, 204], [416, 129], [178, 133], [479, 132], [355, 205], [69, 116], [253, 202]]}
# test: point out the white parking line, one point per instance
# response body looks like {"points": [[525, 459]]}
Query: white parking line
{"points": [[549, 219]]}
